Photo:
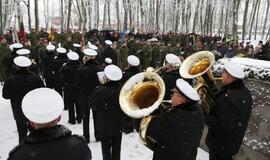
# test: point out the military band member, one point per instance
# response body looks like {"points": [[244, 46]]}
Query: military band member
{"points": [[57, 64], [107, 61], [170, 73], [87, 81], [131, 70], [176, 133], [228, 120], [109, 52], [67, 75], [15, 87], [48, 140], [106, 100], [47, 60]]}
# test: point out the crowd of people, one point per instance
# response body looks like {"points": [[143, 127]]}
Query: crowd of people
{"points": [[87, 70]]}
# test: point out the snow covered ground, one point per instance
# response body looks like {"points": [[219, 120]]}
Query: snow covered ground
{"points": [[132, 149]]}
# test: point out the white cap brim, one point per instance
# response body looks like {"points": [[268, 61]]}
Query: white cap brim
{"points": [[133, 60], [23, 52], [50, 47], [108, 42], [76, 45], [22, 61], [61, 50], [187, 90], [234, 69], [108, 60], [173, 59], [42, 105], [90, 52], [113, 73], [17, 45], [73, 56]]}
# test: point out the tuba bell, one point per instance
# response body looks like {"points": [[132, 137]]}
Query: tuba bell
{"points": [[198, 66], [142, 94]]}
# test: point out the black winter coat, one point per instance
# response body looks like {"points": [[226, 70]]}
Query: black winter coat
{"points": [[57, 64], [106, 100], [229, 119], [169, 79], [17, 86], [129, 72], [67, 75], [109, 53], [177, 132], [87, 79], [51, 144]]}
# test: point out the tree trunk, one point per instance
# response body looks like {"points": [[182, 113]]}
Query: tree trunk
{"points": [[62, 14], [235, 18], [69, 13], [221, 19], [183, 4], [252, 19], [195, 19], [84, 15], [265, 20], [177, 16], [104, 14], [257, 19], [227, 18], [157, 14], [164, 16], [1, 20], [27, 4], [201, 16], [245, 20], [130, 15], [109, 13], [188, 15], [125, 14], [118, 16], [97, 14], [36, 16], [142, 15], [79, 12]]}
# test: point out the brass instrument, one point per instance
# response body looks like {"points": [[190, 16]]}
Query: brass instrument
{"points": [[140, 96], [199, 66]]}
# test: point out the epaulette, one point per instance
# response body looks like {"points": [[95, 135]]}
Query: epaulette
{"points": [[15, 149]]}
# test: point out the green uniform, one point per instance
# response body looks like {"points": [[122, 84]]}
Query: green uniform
{"points": [[122, 57], [4, 52]]}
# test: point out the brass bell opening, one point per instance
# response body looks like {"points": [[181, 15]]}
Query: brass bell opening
{"points": [[199, 67], [145, 94]]}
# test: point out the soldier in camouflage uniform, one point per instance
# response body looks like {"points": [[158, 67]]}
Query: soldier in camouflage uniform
{"points": [[76, 37], [33, 37], [123, 54], [156, 56], [4, 52]]}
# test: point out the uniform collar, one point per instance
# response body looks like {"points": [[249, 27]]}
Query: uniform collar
{"points": [[47, 134], [234, 85]]}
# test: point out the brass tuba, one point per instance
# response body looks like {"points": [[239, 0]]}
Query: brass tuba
{"points": [[142, 94], [198, 66]]}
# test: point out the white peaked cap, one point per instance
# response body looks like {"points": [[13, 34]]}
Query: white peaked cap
{"points": [[113, 73], [42, 105], [73, 55], [133, 60], [187, 90], [90, 52], [22, 61], [21, 52], [91, 46], [108, 60], [234, 69], [17, 45], [108, 42], [61, 50], [76, 45], [173, 59], [50, 47]]}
